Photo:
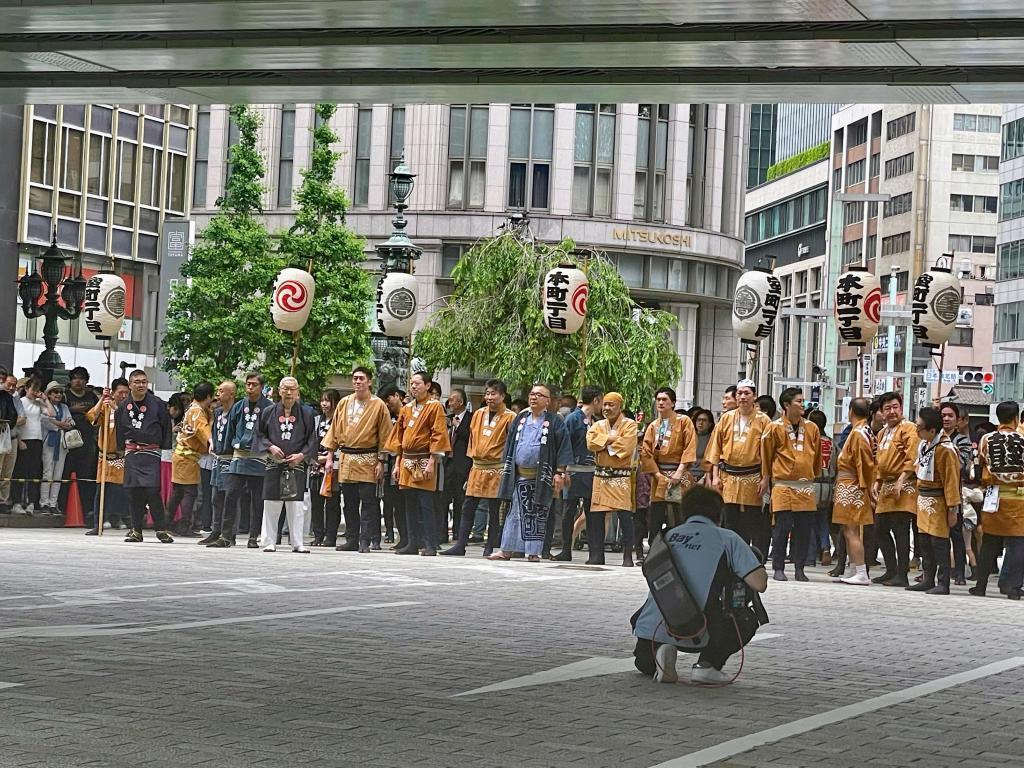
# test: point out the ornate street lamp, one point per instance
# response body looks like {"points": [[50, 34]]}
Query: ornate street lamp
{"points": [[397, 295], [63, 301]]}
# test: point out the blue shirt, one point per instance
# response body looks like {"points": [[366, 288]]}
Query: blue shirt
{"points": [[240, 432], [528, 447], [582, 482], [697, 546]]}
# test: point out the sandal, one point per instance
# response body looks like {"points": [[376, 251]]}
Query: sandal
{"points": [[533, 559], [499, 556]]}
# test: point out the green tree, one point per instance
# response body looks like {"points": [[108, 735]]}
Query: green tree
{"points": [[493, 322], [218, 320], [337, 335]]}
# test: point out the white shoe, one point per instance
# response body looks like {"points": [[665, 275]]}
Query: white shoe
{"points": [[17, 509], [30, 509], [665, 664], [303, 550], [270, 548], [857, 579], [708, 676]]}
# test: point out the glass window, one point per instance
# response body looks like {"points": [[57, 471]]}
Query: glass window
{"points": [[467, 156], [899, 166], [858, 133], [127, 125], [102, 119], [900, 126], [531, 137], [176, 167], [976, 123], [43, 139], [972, 203], [1011, 200], [855, 173], [286, 157], [898, 204], [593, 159], [361, 189], [202, 162], [71, 176], [149, 183], [1013, 139], [896, 244], [396, 147], [125, 184], [1011, 261], [651, 161]]}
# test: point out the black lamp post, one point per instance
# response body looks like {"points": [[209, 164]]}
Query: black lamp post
{"points": [[65, 294], [396, 254]]}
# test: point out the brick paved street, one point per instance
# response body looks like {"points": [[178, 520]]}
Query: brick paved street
{"points": [[148, 655]]}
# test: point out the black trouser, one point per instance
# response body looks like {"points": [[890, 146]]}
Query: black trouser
{"points": [[493, 526], [991, 548], [724, 639], [554, 511], [571, 510], [419, 514], [394, 512], [205, 499], [452, 496], [28, 467], [217, 518], [956, 538], [82, 462], [747, 522], [361, 504], [870, 544], [468, 515], [244, 499], [892, 529], [800, 524], [326, 512], [935, 557], [138, 500], [185, 497], [595, 533], [659, 520]]}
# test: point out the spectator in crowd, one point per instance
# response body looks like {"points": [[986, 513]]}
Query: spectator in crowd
{"points": [[56, 421], [81, 461], [8, 394], [28, 470]]}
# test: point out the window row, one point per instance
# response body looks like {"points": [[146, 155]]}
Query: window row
{"points": [[898, 204], [788, 216], [972, 243], [1011, 261], [896, 244], [1011, 200], [1013, 139], [899, 166], [975, 163], [972, 203], [976, 123], [902, 283], [853, 251], [900, 126]]}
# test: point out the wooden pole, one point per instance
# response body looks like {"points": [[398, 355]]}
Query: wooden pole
{"points": [[585, 333], [105, 420]]}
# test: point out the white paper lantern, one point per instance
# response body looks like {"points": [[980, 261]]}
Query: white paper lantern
{"points": [[935, 306], [858, 306], [105, 299], [755, 305], [397, 301], [293, 299], [566, 291]]}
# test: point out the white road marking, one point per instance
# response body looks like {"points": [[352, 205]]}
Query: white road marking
{"points": [[593, 667], [107, 630], [8, 685], [746, 743]]}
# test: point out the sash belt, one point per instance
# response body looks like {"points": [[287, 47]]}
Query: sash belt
{"points": [[740, 471], [612, 472], [357, 451], [934, 493]]}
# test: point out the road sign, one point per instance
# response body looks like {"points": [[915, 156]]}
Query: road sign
{"points": [[988, 389], [868, 364], [879, 384], [931, 375], [950, 377]]}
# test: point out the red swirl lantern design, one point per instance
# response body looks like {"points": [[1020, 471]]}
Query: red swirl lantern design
{"points": [[293, 299], [564, 300]]}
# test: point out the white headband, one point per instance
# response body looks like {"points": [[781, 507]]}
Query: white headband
{"points": [[748, 383]]}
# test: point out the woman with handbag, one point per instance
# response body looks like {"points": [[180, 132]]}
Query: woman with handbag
{"points": [[28, 470], [58, 425]]}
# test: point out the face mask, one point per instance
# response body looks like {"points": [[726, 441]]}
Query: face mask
{"points": [[564, 411]]}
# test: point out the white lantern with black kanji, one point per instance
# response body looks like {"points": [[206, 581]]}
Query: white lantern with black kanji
{"points": [[935, 306], [566, 290], [755, 305], [397, 301], [858, 306], [293, 299], [104, 306]]}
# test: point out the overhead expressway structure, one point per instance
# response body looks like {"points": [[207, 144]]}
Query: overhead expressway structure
{"points": [[452, 51]]}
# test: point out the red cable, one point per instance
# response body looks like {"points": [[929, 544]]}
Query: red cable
{"points": [[739, 638]]}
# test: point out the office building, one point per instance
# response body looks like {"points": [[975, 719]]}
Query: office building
{"points": [[656, 187], [1009, 289]]}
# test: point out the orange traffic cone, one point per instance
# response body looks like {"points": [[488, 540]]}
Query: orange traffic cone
{"points": [[73, 518]]}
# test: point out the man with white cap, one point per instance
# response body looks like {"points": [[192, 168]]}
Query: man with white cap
{"points": [[734, 453], [613, 443]]}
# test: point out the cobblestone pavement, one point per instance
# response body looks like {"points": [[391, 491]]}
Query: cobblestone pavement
{"points": [[148, 655]]}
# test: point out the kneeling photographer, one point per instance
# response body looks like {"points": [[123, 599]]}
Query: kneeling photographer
{"points": [[704, 584]]}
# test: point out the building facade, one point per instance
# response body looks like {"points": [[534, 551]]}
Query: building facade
{"points": [[105, 179], [1009, 293], [939, 165], [656, 187]]}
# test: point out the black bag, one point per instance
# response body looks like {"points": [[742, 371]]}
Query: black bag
{"points": [[683, 617], [289, 488]]}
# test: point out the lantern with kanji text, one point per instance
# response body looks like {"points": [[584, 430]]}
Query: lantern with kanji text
{"points": [[755, 305], [935, 306], [858, 306], [566, 290]]}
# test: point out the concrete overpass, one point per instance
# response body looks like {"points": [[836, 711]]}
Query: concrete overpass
{"points": [[445, 51]]}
